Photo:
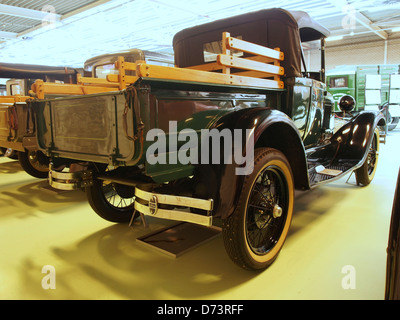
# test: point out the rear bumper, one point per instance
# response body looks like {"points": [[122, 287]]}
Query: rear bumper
{"points": [[150, 203], [70, 180], [162, 206]]}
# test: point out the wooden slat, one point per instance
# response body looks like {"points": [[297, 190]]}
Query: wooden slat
{"points": [[7, 100], [183, 74], [130, 65], [97, 81], [235, 62], [75, 89], [13, 99], [226, 51], [121, 72], [261, 59], [115, 78], [88, 85], [254, 74], [41, 89], [237, 44], [213, 66]]}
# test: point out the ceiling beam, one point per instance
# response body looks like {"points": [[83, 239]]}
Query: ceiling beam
{"points": [[26, 13], [369, 24], [354, 12]]}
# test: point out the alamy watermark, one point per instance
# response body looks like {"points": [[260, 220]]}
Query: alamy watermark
{"points": [[349, 20], [49, 280], [349, 280], [50, 18], [214, 146]]}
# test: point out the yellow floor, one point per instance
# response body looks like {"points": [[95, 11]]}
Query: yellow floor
{"points": [[334, 226]]}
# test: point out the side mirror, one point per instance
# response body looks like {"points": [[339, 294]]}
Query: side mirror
{"points": [[347, 103]]}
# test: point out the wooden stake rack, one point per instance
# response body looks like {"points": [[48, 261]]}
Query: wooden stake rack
{"points": [[261, 70], [13, 99]]}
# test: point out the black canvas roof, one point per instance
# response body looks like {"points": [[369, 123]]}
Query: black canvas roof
{"points": [[273, 28], [309, 28]]}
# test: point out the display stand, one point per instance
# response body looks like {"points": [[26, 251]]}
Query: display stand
{"points": [[178, 239]]}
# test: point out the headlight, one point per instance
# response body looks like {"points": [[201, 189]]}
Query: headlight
{"points": [[347, 103]]}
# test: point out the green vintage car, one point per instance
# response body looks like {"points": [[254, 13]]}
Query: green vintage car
{"points": [[229, 133], [373, 87]]}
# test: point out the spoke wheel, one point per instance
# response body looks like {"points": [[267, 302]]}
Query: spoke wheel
{"points": [[34, 163], [264, 222], [111, 201], [366, 172], [255, 232]]}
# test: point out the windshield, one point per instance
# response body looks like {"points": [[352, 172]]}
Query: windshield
{"points": [[103, 70], [313, 60], [312, 56], [16, 89]]}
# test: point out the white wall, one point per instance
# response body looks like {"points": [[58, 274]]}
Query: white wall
{"points": [[372, 52]]}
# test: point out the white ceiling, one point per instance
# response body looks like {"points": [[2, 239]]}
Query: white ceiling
{"points": [[69, 32]]}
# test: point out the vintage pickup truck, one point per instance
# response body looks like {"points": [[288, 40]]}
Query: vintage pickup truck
{"points": [[16, 120], [228, 133], [17, 128]]}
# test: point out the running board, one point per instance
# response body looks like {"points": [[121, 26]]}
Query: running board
{"points": [[320, 174], [150, 203]]}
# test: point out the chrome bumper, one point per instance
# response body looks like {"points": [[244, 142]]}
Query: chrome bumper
{"points": [[154, 200], [70, 180], [147, 203]]}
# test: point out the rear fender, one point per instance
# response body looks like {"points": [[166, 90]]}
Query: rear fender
{"points": [[270, 128]]}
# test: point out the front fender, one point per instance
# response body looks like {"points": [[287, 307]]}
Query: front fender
{"points": [[353, 140], [269, 128]]}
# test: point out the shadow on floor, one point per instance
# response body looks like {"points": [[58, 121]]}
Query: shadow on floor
{"points": [[27, 197], [121, 268], [10, 167]]}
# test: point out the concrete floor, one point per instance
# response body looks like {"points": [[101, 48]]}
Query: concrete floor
{"points": [[335, 227]]}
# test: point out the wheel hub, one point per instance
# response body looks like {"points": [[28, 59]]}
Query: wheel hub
{"points": [[124, 191], [277, 211]]}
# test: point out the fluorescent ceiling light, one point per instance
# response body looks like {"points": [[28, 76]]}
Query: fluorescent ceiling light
{"points": [[25, 13], [335, 38], [8, 35]]}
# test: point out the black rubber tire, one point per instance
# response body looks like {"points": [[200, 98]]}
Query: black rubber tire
{"points": [[12, 154], [34, 163], [248, 219], [366, 172], [393, 124], [391, 121], [101, 196]]}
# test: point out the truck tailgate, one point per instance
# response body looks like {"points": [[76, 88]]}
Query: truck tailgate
{"points": [[87, 128]]}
